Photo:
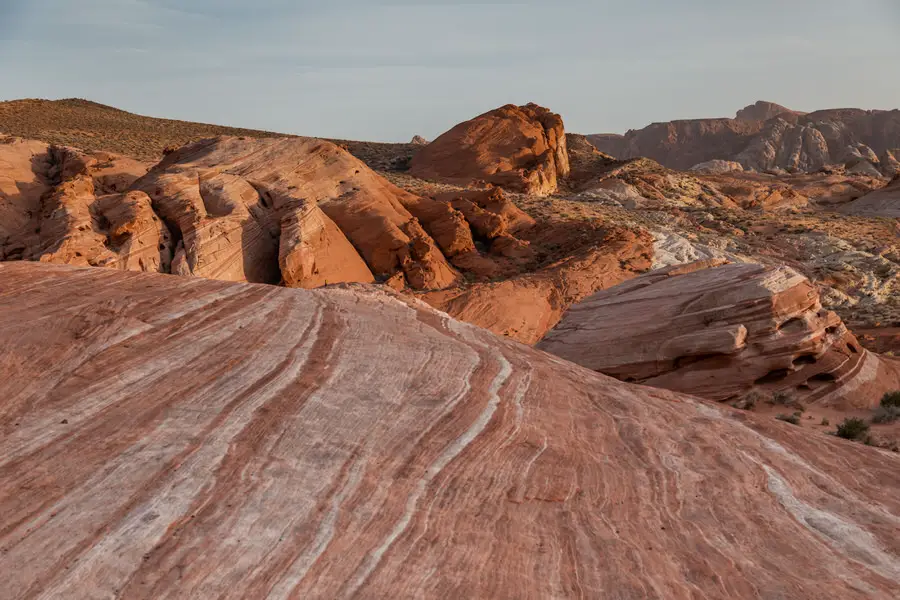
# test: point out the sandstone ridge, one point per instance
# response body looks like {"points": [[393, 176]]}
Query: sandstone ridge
{"points": [[720, 331], [260, 441], [769, 137]]}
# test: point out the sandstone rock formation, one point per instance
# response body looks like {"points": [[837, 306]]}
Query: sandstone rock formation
{"points": [[765, 137], [297, 209], [763, 111], [527, 306], [717, 167], [59, 204], [167, 437], [418, 140], [719, 331], [880, 203], [305, 213], [521, 148]]}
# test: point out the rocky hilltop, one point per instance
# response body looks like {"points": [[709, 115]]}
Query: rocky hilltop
{"points": [[769, 137], [170, 437], [522, 148]]}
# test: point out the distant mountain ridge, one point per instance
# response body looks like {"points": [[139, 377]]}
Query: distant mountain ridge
{"points": [[766, 136], [94, 126]]}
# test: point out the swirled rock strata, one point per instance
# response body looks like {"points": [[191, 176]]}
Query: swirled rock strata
{"points": [[171, 437]]}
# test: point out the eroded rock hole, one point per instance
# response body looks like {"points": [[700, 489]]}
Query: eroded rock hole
{"points": [[773, 376], [806, 359], [824, 377], [795, 324]]}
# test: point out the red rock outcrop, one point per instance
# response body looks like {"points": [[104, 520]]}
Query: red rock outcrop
{"points": [[720, 331], [59, 204], [263, 210], [169, 437], [763, 111], [527, 306], [305, 213], [765, 136], [521, 148], [880, 203]]}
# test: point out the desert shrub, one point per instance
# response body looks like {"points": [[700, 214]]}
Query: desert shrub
{"points": [[793, 419], [891, 399], [853, 429], [785, 398], [825, 422], [886, 414], [747, 401]]}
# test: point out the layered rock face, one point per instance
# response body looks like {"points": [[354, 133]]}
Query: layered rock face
{"points": [[171, 437], [527, 306], [763, 111], [718, 331], [717, 167], [305, 213], [680, 144], [766, 136], [59, 204], [301, 210], [880, 203], [521, 148]]}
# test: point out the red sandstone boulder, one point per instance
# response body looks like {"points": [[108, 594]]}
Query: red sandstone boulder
{"points": [[720, 331], [521, 148], [884, 202]]}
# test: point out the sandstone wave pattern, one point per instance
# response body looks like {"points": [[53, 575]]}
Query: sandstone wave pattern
{"points": [[719, 331], [169, 437]]}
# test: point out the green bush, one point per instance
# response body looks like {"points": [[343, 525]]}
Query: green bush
{"points": [[891, 399], [853, 429], [793, 419]]}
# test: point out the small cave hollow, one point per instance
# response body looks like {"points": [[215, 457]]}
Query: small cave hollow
{"points": [[823, 377], [773, 376], [795, 324], [805, 359]]}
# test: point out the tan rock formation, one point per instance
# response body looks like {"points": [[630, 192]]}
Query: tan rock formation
{"points": [[168, 437], [59, 204], [763, 137], [240, 204], [719, 332], [526, 307], [717, 167], [880, 203], [305, 213], [763, 111], [522, 148]]}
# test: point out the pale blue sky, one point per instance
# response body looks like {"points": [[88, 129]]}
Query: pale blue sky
{"points": [[388, 69]]}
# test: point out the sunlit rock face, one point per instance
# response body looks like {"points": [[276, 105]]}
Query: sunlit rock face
{"points": [[170, 437]]}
